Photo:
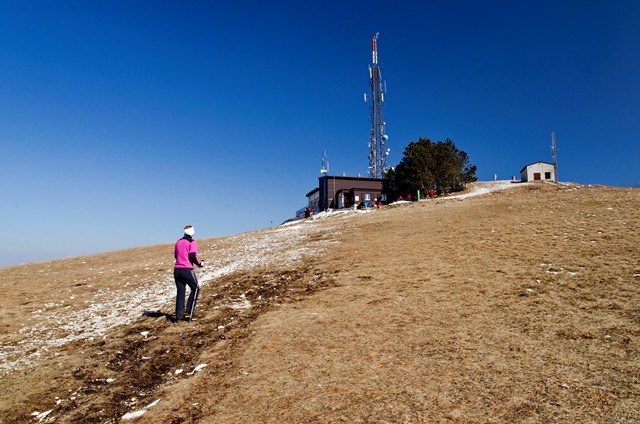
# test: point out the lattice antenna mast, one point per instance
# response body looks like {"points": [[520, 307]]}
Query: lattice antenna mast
{"points": [[325, 164], [378, 151], [554, 155]]}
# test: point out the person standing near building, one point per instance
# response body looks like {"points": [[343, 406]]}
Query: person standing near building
{"points": [[186, 254]]}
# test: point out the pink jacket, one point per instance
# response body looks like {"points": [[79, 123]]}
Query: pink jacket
{"points": [[186, 253]]}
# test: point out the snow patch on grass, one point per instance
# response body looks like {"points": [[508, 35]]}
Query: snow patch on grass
{"points": [[279, 246]]}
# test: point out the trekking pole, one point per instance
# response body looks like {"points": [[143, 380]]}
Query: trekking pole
{"points": [[195, 296]]}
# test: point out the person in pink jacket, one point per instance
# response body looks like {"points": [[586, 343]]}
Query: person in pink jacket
{"points": [[186, 254]]}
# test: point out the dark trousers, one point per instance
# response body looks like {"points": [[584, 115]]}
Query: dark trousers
{"points": [[185, 277]]}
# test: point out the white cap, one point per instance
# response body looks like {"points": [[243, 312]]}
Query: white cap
{"points": [[189, 230]]}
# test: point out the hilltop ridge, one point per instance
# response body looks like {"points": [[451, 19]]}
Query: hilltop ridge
{"points": [[513, 305]]}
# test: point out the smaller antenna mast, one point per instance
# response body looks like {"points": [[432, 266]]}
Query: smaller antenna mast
{"points": [[325, 163], [554, 155]]}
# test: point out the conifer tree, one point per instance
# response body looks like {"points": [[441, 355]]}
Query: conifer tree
{"points": [[425, 165]]}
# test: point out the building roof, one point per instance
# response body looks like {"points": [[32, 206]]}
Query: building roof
{"points": [[345, 178], [313, 191], [533, 163]]}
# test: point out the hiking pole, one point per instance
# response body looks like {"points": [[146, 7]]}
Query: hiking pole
{"points": [[195, 296]]}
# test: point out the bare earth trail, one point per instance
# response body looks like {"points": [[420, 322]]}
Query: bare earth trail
{"points": [[515, 306]]}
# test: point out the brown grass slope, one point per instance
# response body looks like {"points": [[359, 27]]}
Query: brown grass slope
{"points": [[517, 306]]}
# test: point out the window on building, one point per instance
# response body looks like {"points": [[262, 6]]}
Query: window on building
{"points": [[367, 197], [547, 175]]}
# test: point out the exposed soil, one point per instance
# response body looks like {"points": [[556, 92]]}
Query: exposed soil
{"points": [[521, 305]]}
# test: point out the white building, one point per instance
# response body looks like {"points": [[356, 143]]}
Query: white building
{"points": [[538, 171]]}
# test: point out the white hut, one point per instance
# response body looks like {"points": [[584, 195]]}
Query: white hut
{"points": [[538, 171]]}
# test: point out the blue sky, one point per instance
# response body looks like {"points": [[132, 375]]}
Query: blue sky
{"points": [[121, 122]]}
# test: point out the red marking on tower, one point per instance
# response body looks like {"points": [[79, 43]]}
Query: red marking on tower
{"points": [[374, 50]]}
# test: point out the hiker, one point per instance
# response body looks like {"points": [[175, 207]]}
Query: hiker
{"points": [[186, 254], [432, 193]]}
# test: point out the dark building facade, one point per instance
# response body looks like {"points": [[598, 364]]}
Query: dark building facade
{"points": [[335, 192]]}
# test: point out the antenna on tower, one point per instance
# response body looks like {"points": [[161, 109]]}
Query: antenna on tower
{"points": [[325, 164], [554, 155], [378, 151]]}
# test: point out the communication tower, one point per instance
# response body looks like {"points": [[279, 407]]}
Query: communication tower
{"points": [[378, 151], [554, 155], [325, 164]]}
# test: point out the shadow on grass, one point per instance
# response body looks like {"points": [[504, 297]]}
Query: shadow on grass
{"points": [[159, 314]]}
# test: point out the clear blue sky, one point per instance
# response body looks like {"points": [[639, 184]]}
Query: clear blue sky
{"points": [[121, 122]]}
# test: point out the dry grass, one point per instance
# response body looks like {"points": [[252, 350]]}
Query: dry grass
{"points": [[518, 306]]}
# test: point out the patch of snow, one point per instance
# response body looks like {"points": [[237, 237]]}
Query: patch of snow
{"points": [[134, 415], [279, 246], [41, 416], [152, 404], [487, 187], [197, 369]]}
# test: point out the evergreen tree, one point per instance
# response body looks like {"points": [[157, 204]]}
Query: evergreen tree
{"points": [[427, 165]]}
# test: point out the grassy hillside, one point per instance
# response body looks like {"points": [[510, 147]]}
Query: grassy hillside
{"points": [[515, 306]]}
